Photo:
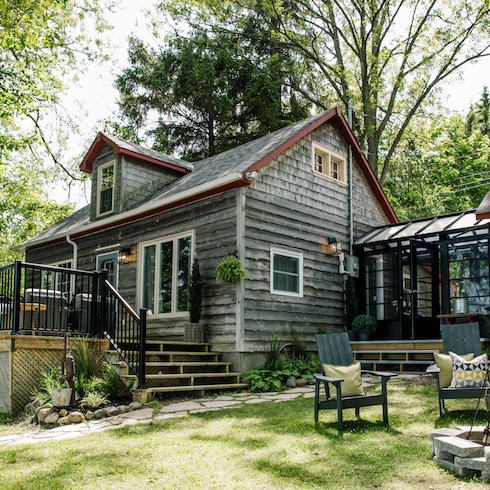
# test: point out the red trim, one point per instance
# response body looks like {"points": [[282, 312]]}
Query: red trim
{"points": [[483, 216], [99, 143], [336, 116]]}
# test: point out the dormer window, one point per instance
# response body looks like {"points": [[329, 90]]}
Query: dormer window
{"points": [[329, 164], [105, 194]]}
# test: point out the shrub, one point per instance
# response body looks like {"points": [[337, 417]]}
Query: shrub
{"points": [[230, 269], [86, 357], [195, 293], [50, 378], [364, 324], [94, 399]]}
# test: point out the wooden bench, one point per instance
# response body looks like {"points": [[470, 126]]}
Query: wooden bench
{"points": [[396, 357]]}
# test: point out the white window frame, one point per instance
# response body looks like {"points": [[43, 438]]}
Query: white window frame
{"points": [[291, 254], [66, 264], [157, 242], [112, 163], [329, 158]]}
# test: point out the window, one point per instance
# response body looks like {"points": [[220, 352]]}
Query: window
{"points": [[329, 164], [286, 272], [105, 196], [165, 269], [58, 280]]}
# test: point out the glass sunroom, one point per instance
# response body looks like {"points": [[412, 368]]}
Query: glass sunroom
{"points": [[414, 274]]}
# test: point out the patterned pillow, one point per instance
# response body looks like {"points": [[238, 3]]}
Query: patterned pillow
{"points": [[469, 374]]}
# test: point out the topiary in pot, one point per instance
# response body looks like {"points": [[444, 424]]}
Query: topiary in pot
{"points": [[364, 325], [230, 269], [351, 306], [194, 331]]}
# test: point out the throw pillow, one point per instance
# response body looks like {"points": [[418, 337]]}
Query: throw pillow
{"points": [[446, 366], [469, 374], [351, 374]]}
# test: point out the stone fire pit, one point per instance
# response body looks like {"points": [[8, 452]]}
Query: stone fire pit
{"points": [[455, 451]]}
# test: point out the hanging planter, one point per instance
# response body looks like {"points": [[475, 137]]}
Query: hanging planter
{"points": [[230, 269]]}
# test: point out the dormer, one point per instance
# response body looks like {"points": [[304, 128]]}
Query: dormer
{"points": [[124, 174]]}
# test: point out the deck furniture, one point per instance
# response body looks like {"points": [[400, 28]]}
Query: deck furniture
{"points": [[335, 349], [460, 338]]}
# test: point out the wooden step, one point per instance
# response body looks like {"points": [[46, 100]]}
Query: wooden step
{"points": [[182, 354], [184, 376], [202, 388]]}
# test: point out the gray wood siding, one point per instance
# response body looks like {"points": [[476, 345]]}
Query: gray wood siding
{"points": [[290, 207]]}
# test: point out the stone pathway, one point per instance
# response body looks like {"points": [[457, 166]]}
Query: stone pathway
{"points": [[176, 409]]}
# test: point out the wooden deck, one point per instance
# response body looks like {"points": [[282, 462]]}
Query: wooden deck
{"points": [[404, 354]]}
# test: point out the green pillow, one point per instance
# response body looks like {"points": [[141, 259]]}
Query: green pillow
{"points": [[446, 366], [352, 384]]}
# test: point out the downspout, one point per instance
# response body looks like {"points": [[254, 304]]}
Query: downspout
{"points": [[75, 251], [350, 170]]}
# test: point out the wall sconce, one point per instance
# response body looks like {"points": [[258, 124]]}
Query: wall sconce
{"points": [[124, 256], [334, 246]]}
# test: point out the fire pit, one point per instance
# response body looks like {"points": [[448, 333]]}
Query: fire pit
{"points": [[462, 451]]}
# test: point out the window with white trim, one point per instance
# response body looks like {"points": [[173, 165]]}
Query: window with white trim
{"points": [[58, 280], [105, 189], [286, 272], [165, 267], [329, 164]]}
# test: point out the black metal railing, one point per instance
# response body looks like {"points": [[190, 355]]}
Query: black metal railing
{"points": [[44, 300]]}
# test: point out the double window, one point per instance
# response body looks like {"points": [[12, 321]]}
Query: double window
{"points": [[105, 194], [165, 269], [329, 164], [286, 272]]}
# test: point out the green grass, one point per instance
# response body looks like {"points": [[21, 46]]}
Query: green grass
{"points": [[261, 447]]}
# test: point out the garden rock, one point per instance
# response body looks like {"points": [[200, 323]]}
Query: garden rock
{"points": [[301, 382], [89, 415], [290, 383], [124, 409], [64, 421], [135, 405], [111, 411], [63, 412], [100, 413], [52, 418], [75, 417], [43, 413], [42, 407]]}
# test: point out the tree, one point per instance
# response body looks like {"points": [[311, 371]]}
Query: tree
{"points": [[388, 56], [211, 93]]}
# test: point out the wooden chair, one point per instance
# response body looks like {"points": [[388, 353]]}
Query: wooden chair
{"points": [[336, 349], [460, 338]]}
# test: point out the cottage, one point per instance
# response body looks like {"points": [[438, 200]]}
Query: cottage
{"points": [[276, 203]]}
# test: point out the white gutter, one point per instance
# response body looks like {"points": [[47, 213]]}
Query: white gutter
{"points": [[75, 251], [351, 217], [208, 186]]}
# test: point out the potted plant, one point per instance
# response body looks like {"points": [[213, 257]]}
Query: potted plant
{"points": [[351, 306], [364, 325], [230, 269], [194, 330]]}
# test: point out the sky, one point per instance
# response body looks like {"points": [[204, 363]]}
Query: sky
{"points": [[97, 96]]}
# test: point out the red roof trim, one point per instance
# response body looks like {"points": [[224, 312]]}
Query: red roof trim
{"points": [[336, 116], [483, 216], [99, 143]]}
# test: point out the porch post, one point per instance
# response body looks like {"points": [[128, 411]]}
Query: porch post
{"points": [[142, 360], [95, 323]]}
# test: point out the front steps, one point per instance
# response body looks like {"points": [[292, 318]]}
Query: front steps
{"points": [[177, 367]]}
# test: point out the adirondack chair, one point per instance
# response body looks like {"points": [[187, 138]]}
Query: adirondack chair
{"points": [[336, 349], [460, 338]]}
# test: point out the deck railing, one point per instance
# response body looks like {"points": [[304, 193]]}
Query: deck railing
{"points": [[44, 300]]}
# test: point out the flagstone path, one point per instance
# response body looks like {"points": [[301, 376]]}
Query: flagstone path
{"points": [[172, 410]]}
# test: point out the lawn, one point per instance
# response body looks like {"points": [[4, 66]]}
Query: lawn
{"points": [[264, 446]]}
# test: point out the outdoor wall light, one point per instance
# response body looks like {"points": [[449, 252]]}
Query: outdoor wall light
{"points": [[124, 256], [334, 246]]}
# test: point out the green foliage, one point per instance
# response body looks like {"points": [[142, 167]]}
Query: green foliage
{"points": [[195, 292], [364, 324], [86, 356], [230, 269], [268, 379], [273, 352], [351, 302], [50, 378], [93, 399], [110, 382], [211, 91]]}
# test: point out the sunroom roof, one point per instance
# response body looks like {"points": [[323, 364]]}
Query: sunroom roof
{"points": [[422, 228]]}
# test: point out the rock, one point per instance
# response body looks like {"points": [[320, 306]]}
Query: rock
{"points": [[42, 407], [63, 412], [301, 382], [64, 421], [135, 405], [111, 411], [124, 409], [52, 418], [100, 413], [89, 415], [43, 413], [290, 383], [75, 417]]}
